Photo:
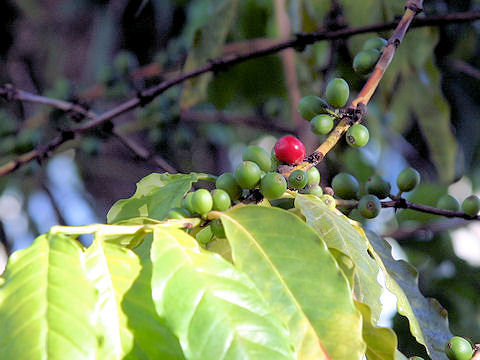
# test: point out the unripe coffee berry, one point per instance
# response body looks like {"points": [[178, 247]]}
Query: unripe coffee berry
{"points": [[458, 348], [314, 190], [376, 43], [221, 200], [369, 206], [298, 179], [228, 183], [364, 62], [379, 187], [204, 235], [448, 202], [337, 92], [259, 156], [345, 186], [310, 105], [273, 185], [248, 174], [321, 124], [471, 205], [290, 150], [357, 135], [408, 179], [313, 176], [202, 201]]}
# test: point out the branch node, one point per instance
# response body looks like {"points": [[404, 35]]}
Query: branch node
{"points": [[302, 40], [314, 158], [8, 92], [67, 135], [218, 65], [144, 99], [414, 6]]}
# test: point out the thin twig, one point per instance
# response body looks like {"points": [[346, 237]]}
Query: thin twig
{"points": [[216, 65], [401, 203], [12, 93], [465, 67]]}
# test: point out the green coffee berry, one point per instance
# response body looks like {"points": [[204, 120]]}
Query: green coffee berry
{"points": [[458, 348], [202, 201], [310, 105], [345, 186], [364, 62], [379, 187], [298, 179], [448, 202], [221, 200], [408, 179], [204, 235], [248, 174], [329, 201], [321, 124], [369, 206], [357, 135], [471, 205], [314, 190], [313, 176], [187, 202], [337, 92], [415, 358], [217, 228], [258, 156], [376, 43], [273, 185], [178, 213], [228, 183]]}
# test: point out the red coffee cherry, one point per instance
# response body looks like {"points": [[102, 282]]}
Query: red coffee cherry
{"points": [[290, 150]]}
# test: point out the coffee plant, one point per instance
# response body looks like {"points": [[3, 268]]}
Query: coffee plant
{"points": [[276, 258]]}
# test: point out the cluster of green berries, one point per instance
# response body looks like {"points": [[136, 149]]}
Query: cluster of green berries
{"points": [[257, 171], [322, 116], [346, 186], [365, 61]]}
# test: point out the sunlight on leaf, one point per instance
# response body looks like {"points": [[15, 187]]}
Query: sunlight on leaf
{"points": [[299, 278]]}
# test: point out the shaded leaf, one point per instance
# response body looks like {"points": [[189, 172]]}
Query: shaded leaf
{"points": [[381, 342], [155, 195], [47, 304], [112, 269], [337, 232], [152, 338], [299, 278], [207, 44], [214, 309], [427, 318]]}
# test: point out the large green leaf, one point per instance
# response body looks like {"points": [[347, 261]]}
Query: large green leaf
{"points": [[381, 342], [155, 195], [428, 320], [214, 309], [152, 338], [207, 44], [300, 279], [47, 304], [338, 233], [112, 269]]}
